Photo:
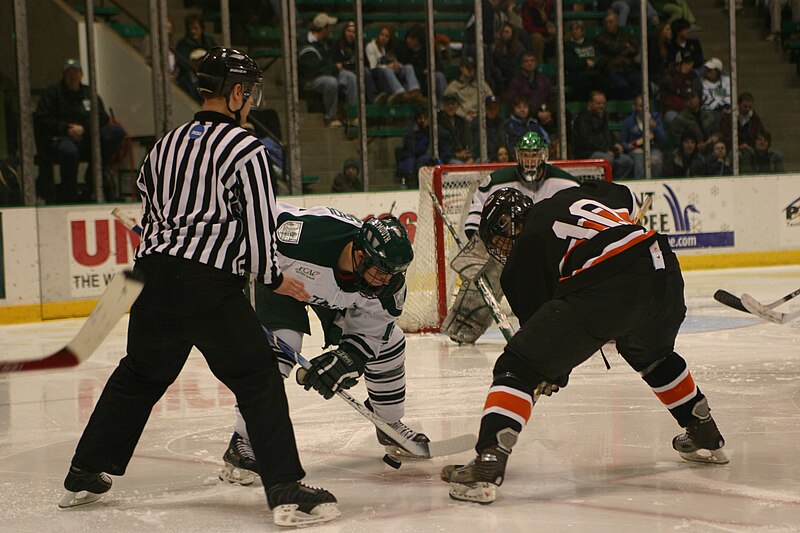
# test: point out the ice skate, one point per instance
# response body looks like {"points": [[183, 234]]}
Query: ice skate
{"points": [[395, 449], [477, 481], [701, 443], [240, 462], [83, 487], [298, 504]]}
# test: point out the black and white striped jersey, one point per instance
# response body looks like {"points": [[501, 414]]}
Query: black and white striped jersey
{"points": [[207, 197]]}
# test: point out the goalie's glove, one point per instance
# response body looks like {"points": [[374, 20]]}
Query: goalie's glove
{"points": [[331, 372]]}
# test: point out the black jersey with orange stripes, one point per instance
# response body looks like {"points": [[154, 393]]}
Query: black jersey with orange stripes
{"points": [[571, 240]]}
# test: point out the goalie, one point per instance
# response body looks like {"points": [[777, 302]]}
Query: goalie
{"points": [[354, 273], [470, 316]]}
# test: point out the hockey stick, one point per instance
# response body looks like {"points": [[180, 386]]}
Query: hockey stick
{"points": [[726, 298], [451, 446], [766, 312], [483, 287], [127, 221], [115, 302], [648, 201]]}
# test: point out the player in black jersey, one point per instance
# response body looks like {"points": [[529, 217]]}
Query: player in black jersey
{"points": [[568, 261]]}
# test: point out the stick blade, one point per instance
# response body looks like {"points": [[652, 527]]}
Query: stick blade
{"points": [[452, 446], [726, 298], [761, 310]]}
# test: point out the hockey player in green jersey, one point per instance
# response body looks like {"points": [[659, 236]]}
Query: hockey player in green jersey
{"points": [[354, 273], [534, 177]]}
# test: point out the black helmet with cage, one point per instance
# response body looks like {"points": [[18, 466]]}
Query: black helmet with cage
{"points": [[222, 68], [386, 255], [501, 221]]}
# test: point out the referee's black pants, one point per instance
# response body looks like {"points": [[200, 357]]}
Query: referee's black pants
{"points": [[186, 304]]}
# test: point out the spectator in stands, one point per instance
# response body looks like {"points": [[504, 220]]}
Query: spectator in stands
{"points": [[718, 163], [347, 180], [507, 54], [318, 72], [510, 13], [412, 51], [345, 56], [529, 84], [675, 10], [544, 117], [658, 53], [686, 160], [195, 38], [762, 158], [681, 41], [62, 116], [465, 89], [395, 79], [679, 77], [695, 119], [750, 123], [580, 62], [415, 152], [623, 9], [520, 122], [538, 21], [620, 59], [187, 79], [502, 155], [592, 137], [775, 8], [716, 88], [632, 139], [454, 133], [495, 129]]}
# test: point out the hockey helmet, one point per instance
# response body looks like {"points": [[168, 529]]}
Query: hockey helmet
{"points": [[532, 152], [222, 68], [387, 253], [501, 221]]}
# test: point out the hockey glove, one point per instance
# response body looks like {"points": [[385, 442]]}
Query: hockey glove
{"points": [[331, 372]]}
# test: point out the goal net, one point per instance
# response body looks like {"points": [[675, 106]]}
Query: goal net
{"points": [[430, 279]]}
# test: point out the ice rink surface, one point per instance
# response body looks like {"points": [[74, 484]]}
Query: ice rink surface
{"points": [[595, 457]]}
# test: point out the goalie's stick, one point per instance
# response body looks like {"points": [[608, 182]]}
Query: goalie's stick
{"points": [[483, 287], [114, 302], [127, 221], [726, 298], [451, 446], [766, 312], [648, 201]]}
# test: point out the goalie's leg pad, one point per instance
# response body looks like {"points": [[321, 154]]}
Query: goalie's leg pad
{"points": [[470, 316]]}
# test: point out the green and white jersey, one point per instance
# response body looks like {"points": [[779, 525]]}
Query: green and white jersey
{"points": [[554, 180], [310, 242]]}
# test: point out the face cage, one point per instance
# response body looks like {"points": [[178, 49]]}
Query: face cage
{"points": [[370, 291], [502, 238], [532, 162]]}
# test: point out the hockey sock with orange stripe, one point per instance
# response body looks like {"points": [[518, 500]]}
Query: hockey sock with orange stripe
{"points": [[508, 405], [672, 382]]}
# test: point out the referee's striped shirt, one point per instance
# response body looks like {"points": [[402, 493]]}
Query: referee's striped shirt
{"points": [[207, 197]]}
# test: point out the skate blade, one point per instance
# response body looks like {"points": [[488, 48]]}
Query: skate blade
{"points": [[289, 515], [480, 492], [716, 457], [75, 499], [233, 474], [402, 453]]}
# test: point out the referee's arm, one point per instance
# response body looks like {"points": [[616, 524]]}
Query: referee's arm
{"points": [[261, 223]]}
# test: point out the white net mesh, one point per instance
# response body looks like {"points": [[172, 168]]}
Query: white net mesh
{"points": [[431, 282]]}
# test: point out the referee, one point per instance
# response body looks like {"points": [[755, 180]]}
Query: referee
{"points": [[208, 219]]}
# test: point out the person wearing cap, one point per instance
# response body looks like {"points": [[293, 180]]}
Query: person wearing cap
{"points": [[63, 123], [347, 180], [681, 29], [697, 120], [533, 86], [716, 88], [465, 89], [679, 76], [318, 71], [494, 129]]}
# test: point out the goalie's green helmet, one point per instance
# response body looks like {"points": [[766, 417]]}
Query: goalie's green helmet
{"points": [[386, 247], [532, 152]]}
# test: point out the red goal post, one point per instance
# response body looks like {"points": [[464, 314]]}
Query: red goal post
{"points": [[430, 280]]}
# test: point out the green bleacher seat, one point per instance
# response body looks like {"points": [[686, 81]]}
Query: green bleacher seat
{"points": [[129, 31], [352, 133], [394, 111], [99, 11]]}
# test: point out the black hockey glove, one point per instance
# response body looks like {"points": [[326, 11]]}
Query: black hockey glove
{"points": [[331, 372]]}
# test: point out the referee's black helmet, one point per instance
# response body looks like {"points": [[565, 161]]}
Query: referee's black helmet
{"points": [[222, 68]]}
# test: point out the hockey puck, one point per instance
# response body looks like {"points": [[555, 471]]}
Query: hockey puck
{"points": [[394, 462]]}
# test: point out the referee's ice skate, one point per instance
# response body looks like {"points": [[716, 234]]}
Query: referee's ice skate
{"points": [[240, 462], [83, 487], [298, 504]]}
